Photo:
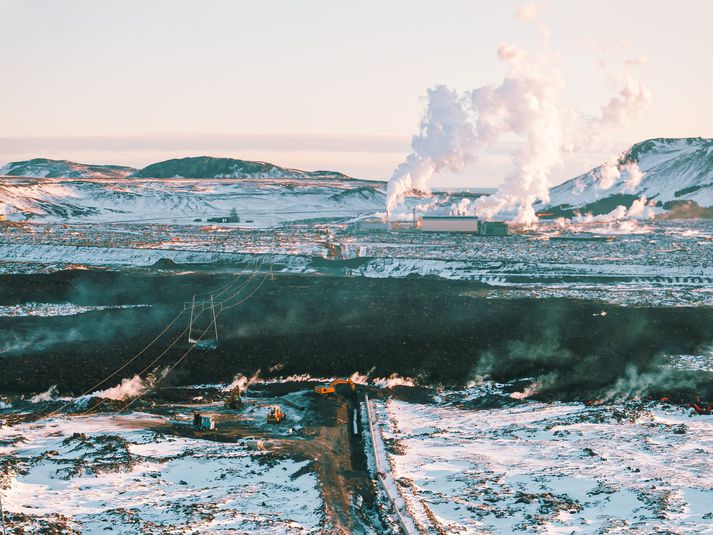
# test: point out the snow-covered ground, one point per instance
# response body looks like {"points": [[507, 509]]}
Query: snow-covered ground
{"points": [[551, 468], [670, 264], [672, 169], [54, 309], [262, 202], [101, 473]]}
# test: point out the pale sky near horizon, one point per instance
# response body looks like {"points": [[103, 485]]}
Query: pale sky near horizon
{"points": [[320, 84]]}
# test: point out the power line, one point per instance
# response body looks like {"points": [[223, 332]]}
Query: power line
{"points": [[183, 357], [187, 329], [132, 359], [137, 355], [2, 515]]}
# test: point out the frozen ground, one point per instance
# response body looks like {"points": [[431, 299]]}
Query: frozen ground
{"points": [[551, 468], [98, 473], [666, 263], [262, 202], [54, 309]]}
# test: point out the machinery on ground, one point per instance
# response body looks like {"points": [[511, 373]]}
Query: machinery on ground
{"points": [[325, 390], [275, 416], [200, 422], [234, 401]]}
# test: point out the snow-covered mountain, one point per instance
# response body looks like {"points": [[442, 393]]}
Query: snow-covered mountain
{"points": [[207, 167], [662, 170], [46, 168], [194, 167]]}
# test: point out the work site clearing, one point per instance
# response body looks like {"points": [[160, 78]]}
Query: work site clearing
{"points": [[446, 466], [177, 377]]}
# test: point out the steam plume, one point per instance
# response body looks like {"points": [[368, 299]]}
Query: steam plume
{"points": [[128, 388], [50, 393], [445, 140], [457, 128], [243, 382]]}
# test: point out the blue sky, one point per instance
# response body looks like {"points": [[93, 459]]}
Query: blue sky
{"points": [[319, 84]]}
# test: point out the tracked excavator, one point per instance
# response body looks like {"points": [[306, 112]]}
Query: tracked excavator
{"points": [[325, 390], [234, 401]]}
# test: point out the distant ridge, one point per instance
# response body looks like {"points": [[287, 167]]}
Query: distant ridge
{"points": [[208, 167], [46, 168], [193, 167]]}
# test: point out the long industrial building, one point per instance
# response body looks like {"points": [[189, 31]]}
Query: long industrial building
{"points": [[469, 224], [433, 223]]}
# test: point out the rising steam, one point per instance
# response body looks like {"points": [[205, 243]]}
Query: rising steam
{"points": [[458, 127], [127, 388]]}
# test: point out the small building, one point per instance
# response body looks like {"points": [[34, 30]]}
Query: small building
{"points": [[434, 223], [493, 228], [232, 218], [370, 224]]}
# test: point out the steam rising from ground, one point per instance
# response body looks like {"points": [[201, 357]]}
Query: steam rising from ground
{"points": [[50, 393], [132, 387], [127, 388], [243, 382], [393, 380], [457, 128]]}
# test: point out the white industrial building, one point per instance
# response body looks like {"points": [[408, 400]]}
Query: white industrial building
{"points": [[434, 223], [463, 224]]}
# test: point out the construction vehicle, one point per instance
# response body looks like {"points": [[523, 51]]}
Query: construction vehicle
{"points": [[275, 416], [253, 443], [325, 390], [234, 401], [199, 422]]}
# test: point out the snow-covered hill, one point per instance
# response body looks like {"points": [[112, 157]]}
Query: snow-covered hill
{"points": [[207, 167], [264, 201], [194, 167], [663, 170], [45, 168]]}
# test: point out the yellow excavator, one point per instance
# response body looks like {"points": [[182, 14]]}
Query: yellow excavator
{"points": [[325, 390], [234, 401], [275, 416]]}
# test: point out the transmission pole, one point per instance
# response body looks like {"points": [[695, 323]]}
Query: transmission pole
{"points": [[190, 321], [215, 321], [2, 515]]}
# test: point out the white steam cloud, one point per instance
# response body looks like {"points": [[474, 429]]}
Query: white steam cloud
{"points": [[127, 388], [527, 103], [610, 172], [243, 382], [47, 395], [446, 140]]}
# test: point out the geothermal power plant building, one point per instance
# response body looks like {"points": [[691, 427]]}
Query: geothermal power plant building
{"points": [[493, 228], [435, 223], [463, 224]]}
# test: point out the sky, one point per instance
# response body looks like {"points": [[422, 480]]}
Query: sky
{"points": [[319, 84]]}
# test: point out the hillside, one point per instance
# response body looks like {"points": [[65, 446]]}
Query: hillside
{"points": [[267, 200], [670, 171], [193, 167], [46, 168], [207, 167]]}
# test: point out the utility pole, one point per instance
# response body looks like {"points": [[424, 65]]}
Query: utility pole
{"points": [[215, 320], [2, 515], [190, 321]]}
